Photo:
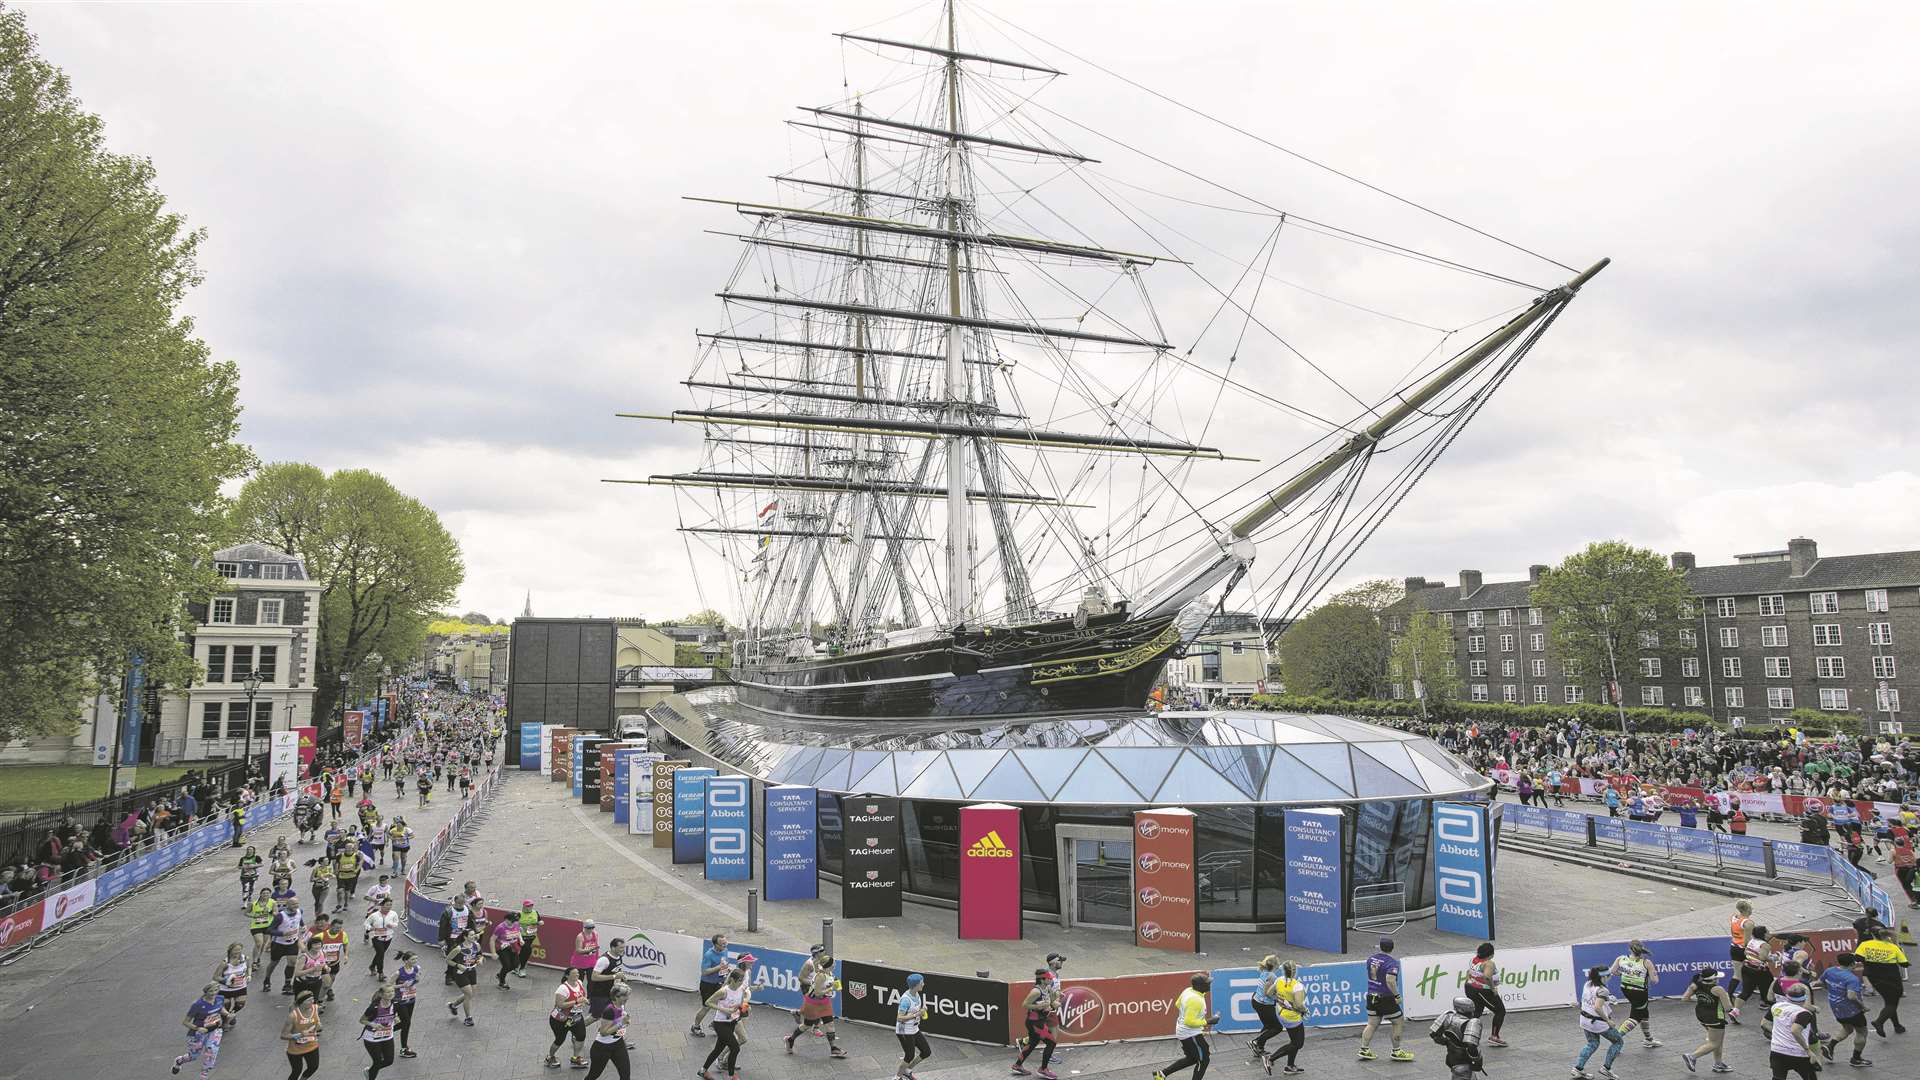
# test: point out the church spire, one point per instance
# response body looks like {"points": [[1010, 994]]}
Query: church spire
{"points": [[526, 612]]}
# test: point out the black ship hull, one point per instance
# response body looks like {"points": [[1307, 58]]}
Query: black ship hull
{"points": [[1047, 668]]}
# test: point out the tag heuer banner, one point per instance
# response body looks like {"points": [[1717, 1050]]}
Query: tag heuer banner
{"points": [[957, 1008], [990, 872], [1166, 881], [870, 886]]}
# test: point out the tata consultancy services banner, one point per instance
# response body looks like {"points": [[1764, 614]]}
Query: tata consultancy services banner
{"points": [[870, 886], [791, 850], [1316, 887], [1463, 869], [690, 814], [990, 872], [1166, 881], [729, 829]]}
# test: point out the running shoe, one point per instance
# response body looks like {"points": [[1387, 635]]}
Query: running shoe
{"points": [[453, 1009], [1496, 1041], [406, 1053], [696, 1032], [1693, 1063], [469, 1021], [1364, 1054], [1048, 1074], [1721, 1067], [1580, 1074], [789, 1041], [1293, 1069], [1018, 1069], [1860, 1063], [1401, 1055], [1652, 1043], [1606, 1074]]}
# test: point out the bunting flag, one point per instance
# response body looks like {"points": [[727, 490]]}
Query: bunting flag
{"points": [[769, 508]]}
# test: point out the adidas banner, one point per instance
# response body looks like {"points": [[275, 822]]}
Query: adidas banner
{"points": [[870, 831], [990, 872]]}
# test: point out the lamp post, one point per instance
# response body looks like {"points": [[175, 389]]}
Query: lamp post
{"points": [[252, 682], [344, 680]]}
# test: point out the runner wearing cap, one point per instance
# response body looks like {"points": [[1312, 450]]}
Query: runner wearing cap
{"points": [[1383, 1002], [1190, 1025], [529, 934], [906, 1026], [1040, 1006], [1790, 1046]]}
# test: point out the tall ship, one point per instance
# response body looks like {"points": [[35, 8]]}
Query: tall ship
{"points": [[956, 459]]}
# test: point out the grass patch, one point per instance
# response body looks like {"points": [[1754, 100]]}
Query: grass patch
{"points": [[49, 787]]}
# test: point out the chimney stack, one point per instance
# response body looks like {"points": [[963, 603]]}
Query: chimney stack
{"points": [[1802, 553], [1415, 584], [1536, 571], [1683, 561], [1469, 582]]}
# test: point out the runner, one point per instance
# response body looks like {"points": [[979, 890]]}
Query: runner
{"points": [[1789, 1046], [400, 836], [1040, 1006], [1844, 997], [377, 892], [280, 869], [506, 946], [1265, 1002], [289, 926], [568, 1017], [1290, 1005], [346, 872], [1190, 1026], [301, 1033], [332, 936], [610, 1039], [906, 1026], [730, 1005], [231, 976], [204, 1021], [463, 956], [406, 990], [424, 784], [1383, 1002], [1756, 968], [714, 965], [377, 1022], [1458, 1029], [260, 925], [1596, 1022], [529, 936], [1886, 972], [379, 926], [454, 922], [249, 874], [1637, 976], [586, 946], [1739, 928], [1712, 1007], [320, 880], [602, 978], [1483, 989]]}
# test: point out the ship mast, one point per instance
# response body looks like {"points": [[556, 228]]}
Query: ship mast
{"points": [[959, 562]]}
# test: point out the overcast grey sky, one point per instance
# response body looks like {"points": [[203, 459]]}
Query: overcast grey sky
{"points": [[446, 241]]}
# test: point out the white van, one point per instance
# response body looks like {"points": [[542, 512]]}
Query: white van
{"points": [[632, 726]]}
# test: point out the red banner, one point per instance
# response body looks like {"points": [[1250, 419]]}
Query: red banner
{"points": [[561, 740], [22, 925], [608, 773], [552, 943], [1166, 882], [1823, 946], [990, 872], [309, 743], [353, 724], [1101, 1010]]}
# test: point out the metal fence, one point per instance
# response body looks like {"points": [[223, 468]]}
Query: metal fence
{"points": [[19, 837]]}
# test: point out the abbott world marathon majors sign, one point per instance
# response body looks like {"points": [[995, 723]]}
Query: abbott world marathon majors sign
{"points": [[1463, 854], [1166, 881]]}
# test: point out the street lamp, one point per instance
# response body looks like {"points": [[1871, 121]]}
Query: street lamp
{"points": [[251, 681], [345, 678]]}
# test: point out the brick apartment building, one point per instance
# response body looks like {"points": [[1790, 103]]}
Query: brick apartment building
{"points": [[1777, 630]]}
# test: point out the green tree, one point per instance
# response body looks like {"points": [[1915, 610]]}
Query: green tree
{"points": [[116, 426], [476, 619], [1422, 653], [1611, 606], [1337, 650], [705, 617], [1375, 594], [385, 563]]}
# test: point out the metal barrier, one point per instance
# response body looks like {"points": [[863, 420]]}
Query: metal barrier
{"points": [[1773, 859], [1379, 908]]}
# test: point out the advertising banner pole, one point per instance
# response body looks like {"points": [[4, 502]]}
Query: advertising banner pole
{"points": [[729, 829], [870, 883], [990, 873], [1463, 845], [791, 852], [1166, 880], [1315, 879]]}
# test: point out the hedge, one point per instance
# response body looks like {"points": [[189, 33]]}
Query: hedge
{"points": [[1604, 717]]}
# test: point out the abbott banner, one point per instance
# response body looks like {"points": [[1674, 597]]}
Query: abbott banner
{"points": [[1463, 839], [729, 829], [1166, 881], [1316, 886], [1529, 979], [791, 850], [990, 872]]}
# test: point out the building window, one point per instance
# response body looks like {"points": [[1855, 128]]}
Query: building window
{"points": [[1506, 668], [1689, 639], [1476, 619], [221, 611], [1476, 669], [1773, 605], [1830, 667], [1833, 700], [1693, 696], [1883, 667], [210, 720], [1649, 639], [1880, 633], [1889, 700], [268, 614], [1725, 607], [268, 665], [1824, 603], [1876, 599], [227, 569], [1453, 666], [1730, 667], [1537, 642], [1649, 667], [1736, 697], [1826, 633], [1773, 637], [1729, 637], [216, 663], [1237, 646], [237, 719], [242, 661], [263, 719], [1569, 669], [273, 570], [1534, 617], [1446, 619], [1476, 643], [1686, 608], [1778, 667], [1396, 624], [1510, 692], [1479, 691], [1689, 667], [1537, 668], [1506, 642], [1653, 695], [1506, 616], [1575, 694], [1540, 693], [1779, 697]]}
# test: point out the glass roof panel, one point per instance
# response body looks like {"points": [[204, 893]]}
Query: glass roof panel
{"points": [[936, 781], [1289, 781], [1193, 780], [1373, 780], [1096, 782], [1132, 733], [1050, 768], [972, 766], [1329, 760], [1290, 731], [1009, 782], [908, 763], [1144, 767], [832, 774], [878, 781], [1437, 777], [864, 762], [1393, 756], [1244, 766], [799, 768]]}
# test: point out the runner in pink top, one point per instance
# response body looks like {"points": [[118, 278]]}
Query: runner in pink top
{"points": [[506, 946], [586, 947]]}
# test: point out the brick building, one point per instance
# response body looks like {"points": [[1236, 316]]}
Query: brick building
{"points": [[1777, 630]]}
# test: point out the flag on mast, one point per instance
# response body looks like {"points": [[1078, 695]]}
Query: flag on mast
{"points": [[769, 508]]}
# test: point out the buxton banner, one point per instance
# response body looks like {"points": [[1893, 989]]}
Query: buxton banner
{"points": [[690, 814], [1315, 881], [990, 872], [663, 801], [791, 851], [1166, 881], [1463, 842], [870, 830], [729, 829]]}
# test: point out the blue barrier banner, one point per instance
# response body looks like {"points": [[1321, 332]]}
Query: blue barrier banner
{"points": [[114, 882], [1804, 859], [1336, 995], [776, 975], [1746, 849], [623, 783], [1567, 821], [1315, 885], [1532, 817], [729, 829], [791, 849], [1462, 869], [130, 704], [690, 814], [423, 918], [531, 737], [1674, 962], [1609, 830]]}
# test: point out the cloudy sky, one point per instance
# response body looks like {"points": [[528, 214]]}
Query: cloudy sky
{"points": [[446, 241]]}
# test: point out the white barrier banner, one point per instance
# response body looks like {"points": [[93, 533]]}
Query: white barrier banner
{"points": [[1761, 802], [64, 905], [657, 957], [1529, 979]]}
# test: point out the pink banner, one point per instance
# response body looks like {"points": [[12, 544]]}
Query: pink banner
{"points": [[990, 872], [309, 744], [353, 724]]}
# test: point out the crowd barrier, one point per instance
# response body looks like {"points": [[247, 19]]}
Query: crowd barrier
{"points": [[1755, 803]]}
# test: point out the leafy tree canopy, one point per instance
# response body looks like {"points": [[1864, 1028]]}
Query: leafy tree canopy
{"points": [[1612, 605], [1421, 654], [1337, 650]]}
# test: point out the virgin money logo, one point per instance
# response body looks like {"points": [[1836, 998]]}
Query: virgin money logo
{"points": [[1081, 1011], [67, 903], [1150, 897], [1150, 864], [1148, 828], [13, 927], [1150, 931]]}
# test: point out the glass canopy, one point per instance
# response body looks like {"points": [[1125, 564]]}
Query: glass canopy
{"points": [[1200, 758]]}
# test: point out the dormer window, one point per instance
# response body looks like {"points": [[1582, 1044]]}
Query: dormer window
{"points": [[273, 570], [227, 569]]}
